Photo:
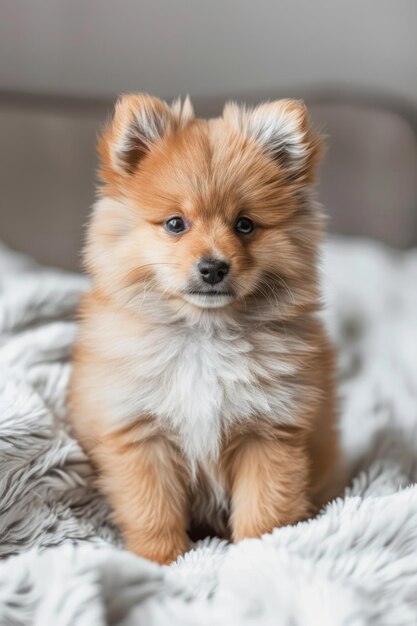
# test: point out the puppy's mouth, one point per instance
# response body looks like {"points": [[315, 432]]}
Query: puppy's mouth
{"points": [[209, 298], [210, 292]]}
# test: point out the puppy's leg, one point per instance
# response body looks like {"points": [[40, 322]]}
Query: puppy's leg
{"points": [[268, 477], [144, 479]]}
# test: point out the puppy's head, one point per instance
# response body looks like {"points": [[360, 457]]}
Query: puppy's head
{"points": [[208, 214]]}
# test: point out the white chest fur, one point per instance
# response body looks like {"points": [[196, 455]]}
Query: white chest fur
{"points": [[200, 381]]}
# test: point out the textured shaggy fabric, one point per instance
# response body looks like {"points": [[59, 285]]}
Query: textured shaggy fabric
{"points": [[62, 561]]}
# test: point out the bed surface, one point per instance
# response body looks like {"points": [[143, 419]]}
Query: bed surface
{"points": [[62, 561]]}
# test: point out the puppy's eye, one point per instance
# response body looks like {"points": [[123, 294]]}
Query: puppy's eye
{"points": [[244, 226], [175, 225]]}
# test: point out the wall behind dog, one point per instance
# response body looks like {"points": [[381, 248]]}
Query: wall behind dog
{"points": [[215, 47], [355, 63]]}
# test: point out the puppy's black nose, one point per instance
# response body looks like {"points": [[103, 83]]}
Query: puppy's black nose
{"points": [[213, 271]]}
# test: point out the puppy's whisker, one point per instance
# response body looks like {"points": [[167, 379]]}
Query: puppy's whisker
{"points": [[286, 286]]}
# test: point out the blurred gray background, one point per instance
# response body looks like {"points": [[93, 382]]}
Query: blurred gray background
{"points": [[62, 62]]}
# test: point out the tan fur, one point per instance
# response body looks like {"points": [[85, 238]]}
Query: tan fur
{"points": [[267, 472], [145, 478], [270, 470]]}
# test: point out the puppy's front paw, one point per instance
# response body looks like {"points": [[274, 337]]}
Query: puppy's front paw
{"points": [[163, 548], [249, 525], [245, 527]]}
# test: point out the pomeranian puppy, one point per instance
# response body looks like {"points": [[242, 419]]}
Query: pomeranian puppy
{"points": [[202, 387]]}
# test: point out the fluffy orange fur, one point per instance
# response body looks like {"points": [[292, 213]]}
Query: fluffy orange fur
{"points": [[195, 413]]}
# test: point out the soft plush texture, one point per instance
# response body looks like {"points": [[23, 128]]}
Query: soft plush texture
{"points": [[355, 564]]}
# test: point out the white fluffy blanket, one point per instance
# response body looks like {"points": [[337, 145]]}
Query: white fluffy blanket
{"points": [[62, 561]]}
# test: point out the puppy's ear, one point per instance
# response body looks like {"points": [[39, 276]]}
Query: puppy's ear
{"points": [[283, 130], [139, 122]]}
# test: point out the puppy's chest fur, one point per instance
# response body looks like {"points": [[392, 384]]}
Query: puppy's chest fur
{"points": [[197, 382]]}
